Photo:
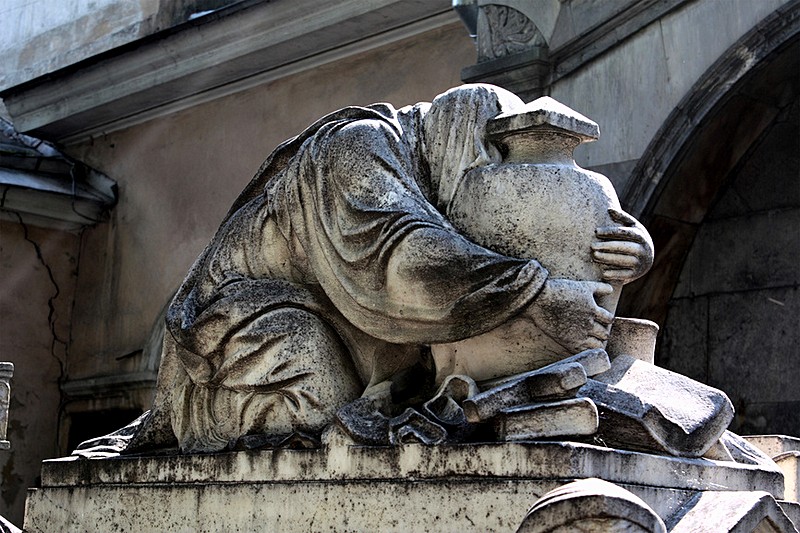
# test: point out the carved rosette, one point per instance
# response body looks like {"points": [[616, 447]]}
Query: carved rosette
{"points": [[503, 31]]}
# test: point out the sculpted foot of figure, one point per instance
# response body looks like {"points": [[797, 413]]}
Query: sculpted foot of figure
{"points": [[567, 311]]}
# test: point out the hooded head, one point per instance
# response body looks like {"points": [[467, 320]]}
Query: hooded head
{"points": [[454, 131]]}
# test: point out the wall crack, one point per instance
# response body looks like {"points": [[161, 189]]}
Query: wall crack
{"points": [[51, 308]]}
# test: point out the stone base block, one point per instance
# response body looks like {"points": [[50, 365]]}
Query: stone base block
{"points": [[486, 487]]}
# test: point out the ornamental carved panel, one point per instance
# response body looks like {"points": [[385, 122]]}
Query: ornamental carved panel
{"points": [[503, 31]]}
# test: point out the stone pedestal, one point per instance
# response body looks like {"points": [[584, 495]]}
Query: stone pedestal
{"points": [[486, 487]]}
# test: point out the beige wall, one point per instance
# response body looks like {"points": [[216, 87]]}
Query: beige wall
{"points": [[38, 269]]}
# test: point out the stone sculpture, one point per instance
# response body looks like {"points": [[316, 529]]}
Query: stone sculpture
{"points": [[442, 273], [384, 253]]}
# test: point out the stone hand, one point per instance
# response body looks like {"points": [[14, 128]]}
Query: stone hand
{"points": [[625, 251], [567, 312]]}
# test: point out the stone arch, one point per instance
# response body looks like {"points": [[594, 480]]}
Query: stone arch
{"points": [[692, 155], [727, 313]]}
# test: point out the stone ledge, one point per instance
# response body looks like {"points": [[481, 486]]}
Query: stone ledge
{"points": [[484, 487], [527, 460]]}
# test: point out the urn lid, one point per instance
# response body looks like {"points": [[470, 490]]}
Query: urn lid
{"points": [[544, 113]]}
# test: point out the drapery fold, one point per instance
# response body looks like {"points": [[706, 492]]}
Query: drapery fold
{"points": [[342, 230]]}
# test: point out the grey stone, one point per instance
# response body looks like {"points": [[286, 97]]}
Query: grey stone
{"points": [[738, 351], [8, 527], [605, 82], [743, 451], [789, 463], [633, 336], [744, 253], [619, 173], [768, 180], [754, 417], [544, 111], [591, 506], [733, 511], [565, 418], [559, 381], [411, 427], [650, 407], [785, 451], [594, 361], [792, 510], [684, 341], [446, 405], [479, 487], [774, 445]]}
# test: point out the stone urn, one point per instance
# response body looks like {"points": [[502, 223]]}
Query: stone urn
{"points": [[536, 204]]}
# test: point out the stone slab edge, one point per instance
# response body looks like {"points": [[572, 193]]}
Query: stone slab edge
{"points": [[413, 462]]}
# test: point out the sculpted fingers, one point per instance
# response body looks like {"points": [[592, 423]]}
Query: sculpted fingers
{"points": [[620, 274], [599, 288], [599, 331], [590, 344], [621, 217], [603, 316], [627, 248], [621, 233]]}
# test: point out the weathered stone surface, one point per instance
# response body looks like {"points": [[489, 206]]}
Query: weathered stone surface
{"points": [[558, 381], [738, 512], [785, 451], [633, 336], [684, 342], [411, 487], [774, 445], [357, 246], [446, 407], [789, 463], [643, 405], [576, 416], [741, 450], [591, 506], [733, 344], [544, 111], [556, 213], [792, 510], [593, 361], [6, 371], [743, 253]]}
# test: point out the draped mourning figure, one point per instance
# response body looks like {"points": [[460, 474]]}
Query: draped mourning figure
{"points": [[337, 269]]}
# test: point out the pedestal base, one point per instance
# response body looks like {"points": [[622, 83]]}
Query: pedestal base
{"points": [[486, 487]]}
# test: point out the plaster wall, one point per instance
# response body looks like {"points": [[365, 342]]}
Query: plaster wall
{"points": [[179, 174], [38, 270]]}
